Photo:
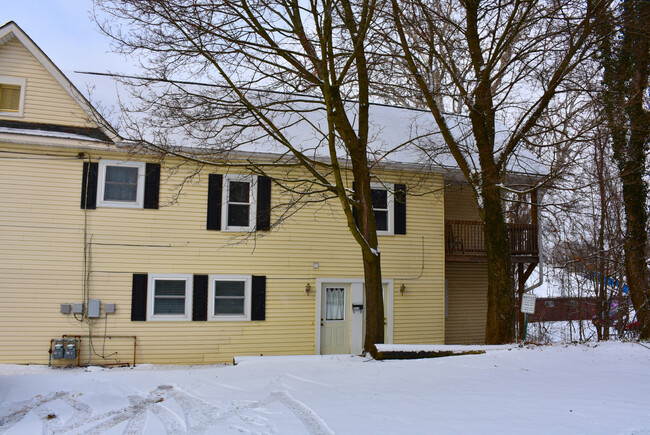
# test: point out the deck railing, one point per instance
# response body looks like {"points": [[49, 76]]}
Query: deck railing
{"points": [[466, 238]]}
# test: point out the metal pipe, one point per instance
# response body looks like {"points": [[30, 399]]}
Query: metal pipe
{"points": [[110, 337], [77, 341], [49, 363]]}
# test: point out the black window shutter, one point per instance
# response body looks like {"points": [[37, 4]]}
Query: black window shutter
{"points": [[139, 297], [200, 298], [89, 185], [258, 299], [400, 209], [215, 186], [263, 203], [151, 185]]}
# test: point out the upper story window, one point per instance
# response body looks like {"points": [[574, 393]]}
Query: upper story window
{"points": [[170, 297], [230, 297], [12, 95], [383, 205], [239, 203], [121, 184]]}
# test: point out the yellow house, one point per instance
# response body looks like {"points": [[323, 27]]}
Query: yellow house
{"points": [[99, 247]]}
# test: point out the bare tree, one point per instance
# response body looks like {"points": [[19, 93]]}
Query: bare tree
{"points": [[625, 57], [274, 68], [587, 217], [504, 69]]}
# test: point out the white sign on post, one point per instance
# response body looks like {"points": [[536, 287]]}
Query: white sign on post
{"points": [[528, 303]]}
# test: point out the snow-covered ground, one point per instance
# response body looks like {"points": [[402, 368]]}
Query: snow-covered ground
{"points": [[563, 331], [595, 388]]}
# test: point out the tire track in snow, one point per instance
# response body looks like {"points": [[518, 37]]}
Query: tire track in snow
{"points": [[28, 405], [199, 414], [312, 421]]}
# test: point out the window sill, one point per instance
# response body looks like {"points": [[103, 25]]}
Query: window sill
{"points": [[230, 319], [238, 230], [119, 205], [12, 114], [161, 318]]}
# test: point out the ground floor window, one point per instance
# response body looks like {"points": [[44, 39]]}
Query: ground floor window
{"points": [[170, 297], [229, 297]]}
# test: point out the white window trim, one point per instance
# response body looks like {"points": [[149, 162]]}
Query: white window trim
{"points": [[390, 197], [139, 202], [248, 285], [252, 194], [189, 284], [16, 81]]}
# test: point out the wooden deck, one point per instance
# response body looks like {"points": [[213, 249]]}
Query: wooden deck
{"points": [[464, 242]]}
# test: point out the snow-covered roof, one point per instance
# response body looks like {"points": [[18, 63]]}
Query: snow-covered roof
{"points": [[399, 136]]}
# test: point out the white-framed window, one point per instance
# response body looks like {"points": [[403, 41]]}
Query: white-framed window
{"points": [[383, 204], [335, 303], [169, 296], [229, 297], [12, 95], [239, 203], [121, 184]]}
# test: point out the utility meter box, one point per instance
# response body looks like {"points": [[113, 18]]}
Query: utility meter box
{"points": [[71, 350], [93, 308], [57, 351]]}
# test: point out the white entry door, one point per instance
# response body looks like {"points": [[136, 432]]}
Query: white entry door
{"points": [[335, 319]]}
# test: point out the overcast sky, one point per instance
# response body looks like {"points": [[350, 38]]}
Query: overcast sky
{"points": [[64, 30]]}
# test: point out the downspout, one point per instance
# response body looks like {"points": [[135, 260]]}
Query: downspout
{"points": [[540, 281]]}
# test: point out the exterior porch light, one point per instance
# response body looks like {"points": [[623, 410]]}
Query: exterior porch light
{"points": [[402, 289], [308, 288]]}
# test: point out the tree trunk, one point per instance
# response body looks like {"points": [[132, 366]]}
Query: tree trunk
{"points": [[635, 196], [633, 162], [499, 327], [626, 75], [374, 303]]}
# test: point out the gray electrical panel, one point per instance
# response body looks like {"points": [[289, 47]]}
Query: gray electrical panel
{"points": [[65, 308], [93, 308], [78, 308], [109, 308]]}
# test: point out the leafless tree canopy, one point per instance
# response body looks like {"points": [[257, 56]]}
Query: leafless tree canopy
{"points": [[509, 84], [272, 66], [506, 67]]}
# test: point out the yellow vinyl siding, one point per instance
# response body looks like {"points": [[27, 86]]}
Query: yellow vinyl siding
{"points": [[41, 266], [460, 203], [45, 100], [467, 303], [466, 282]]}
